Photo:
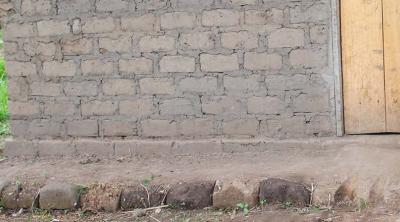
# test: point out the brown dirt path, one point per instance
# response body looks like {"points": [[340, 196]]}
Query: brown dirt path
{"points": [[327, 167], [267, 214]]}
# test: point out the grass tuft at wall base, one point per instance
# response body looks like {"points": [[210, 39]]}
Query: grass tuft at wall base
{"points": [[4, 115]]}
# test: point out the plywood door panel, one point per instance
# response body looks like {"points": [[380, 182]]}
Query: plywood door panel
{"points": [[391, 32], [363, 74]]}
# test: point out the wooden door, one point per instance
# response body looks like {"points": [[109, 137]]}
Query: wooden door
{"points": [[391, 33], [370, 49]]}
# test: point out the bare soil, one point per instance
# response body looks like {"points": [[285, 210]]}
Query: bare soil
{"points": [[326, 167], [265, 214]]}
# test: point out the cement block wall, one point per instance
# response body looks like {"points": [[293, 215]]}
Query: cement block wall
{"points": [[147, 71]]}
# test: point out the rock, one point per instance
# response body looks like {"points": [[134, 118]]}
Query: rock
{"points": [[59, 196], [191, 195], [346, 193], [227, 194], [3, 184], [101, 197], [276, 190], [9, 196], [377, 193], [20, 195], [28, 195], [136, 196]]}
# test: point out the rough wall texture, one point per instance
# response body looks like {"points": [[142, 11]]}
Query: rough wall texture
{"points": [[168, 69]]}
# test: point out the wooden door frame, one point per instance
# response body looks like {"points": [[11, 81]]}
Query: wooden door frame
{"points": [[336, 65]]}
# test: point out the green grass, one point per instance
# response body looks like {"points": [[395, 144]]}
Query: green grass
{"points": [[3, 92], [4, 125], [4, 115]]}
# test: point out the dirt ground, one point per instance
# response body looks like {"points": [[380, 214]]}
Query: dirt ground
{"points": [[327, 167], [265, 214], [370, 163]]}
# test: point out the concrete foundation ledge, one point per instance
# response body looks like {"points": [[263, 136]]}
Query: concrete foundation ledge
{"points": [[157, 148]]}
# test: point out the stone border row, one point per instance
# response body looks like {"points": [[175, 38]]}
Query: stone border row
{"points": [[184, 195]]}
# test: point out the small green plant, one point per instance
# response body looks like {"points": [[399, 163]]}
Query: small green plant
{"points": [[85, 213], [82, 190], [361, 205], [30, 218], [18, 182], [4, 126], [172, 206], [146, 182], [40, 215], [38, 211], [287, 204], [35, 183], [263, 202], [243, 207], [314, 208]]}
